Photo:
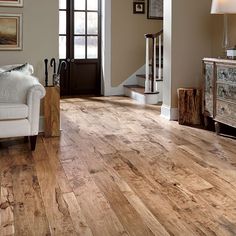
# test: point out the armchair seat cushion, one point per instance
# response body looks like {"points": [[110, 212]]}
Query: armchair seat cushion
{"points": [[13, 111]]}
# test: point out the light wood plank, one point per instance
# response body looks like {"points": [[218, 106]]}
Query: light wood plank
{"points": [[78, 219], [56, 209], [118, 169]]}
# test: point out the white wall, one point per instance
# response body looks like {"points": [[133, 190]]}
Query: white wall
{"points": [[187, 39], [40, 34]]}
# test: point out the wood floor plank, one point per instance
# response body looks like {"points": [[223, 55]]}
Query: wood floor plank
{"points": [[56, 209], [119, 168], [78, 219], [181, 186], [21, 199], [225, 170], [7, 226], [152, 198], [101, 172], [127, 214], [52, 147], [29, 212], [99, 215], [183, 158]]}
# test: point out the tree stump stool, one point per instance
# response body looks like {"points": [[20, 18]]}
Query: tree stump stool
{"points": [[189, 106], [52, 112]]}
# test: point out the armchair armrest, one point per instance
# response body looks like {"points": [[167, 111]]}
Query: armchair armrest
{"points": [[34, 94]]}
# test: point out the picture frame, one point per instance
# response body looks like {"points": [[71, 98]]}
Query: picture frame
{"points": [[155, 9], [139, 8], [11, 3], [10, 32]]}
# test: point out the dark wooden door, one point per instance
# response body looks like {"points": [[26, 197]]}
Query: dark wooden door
{"points": [[80, 45]]}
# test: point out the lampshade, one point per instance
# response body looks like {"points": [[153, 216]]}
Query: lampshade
{"points": [[223, 7]]}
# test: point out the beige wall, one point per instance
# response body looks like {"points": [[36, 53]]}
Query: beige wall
{"points": [[127, 42], [40, 34], [188, 40], [218, 33], [40, 37]]}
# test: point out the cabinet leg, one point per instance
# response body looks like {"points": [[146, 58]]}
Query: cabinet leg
{"points": [[217, 127], [206, 121]]}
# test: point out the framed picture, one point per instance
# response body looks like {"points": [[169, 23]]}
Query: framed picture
{"points": [[11, 3], [10, 31], [139, 7], [155, 9]]}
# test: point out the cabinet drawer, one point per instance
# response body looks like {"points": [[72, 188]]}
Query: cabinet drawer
{"points": [[226, 73], [226, 112], [226, 92]]}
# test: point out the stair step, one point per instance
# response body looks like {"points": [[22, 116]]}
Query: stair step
{"points": [[143, 76], [137, 93], [138, 89]]}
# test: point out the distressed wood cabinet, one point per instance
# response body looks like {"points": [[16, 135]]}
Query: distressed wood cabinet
{"points": [[219, 91]]}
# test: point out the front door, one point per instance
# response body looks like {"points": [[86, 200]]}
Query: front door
{"points": [[80, 46]]}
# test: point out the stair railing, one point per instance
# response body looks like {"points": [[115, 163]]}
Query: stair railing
{"points": [[150, 80]]}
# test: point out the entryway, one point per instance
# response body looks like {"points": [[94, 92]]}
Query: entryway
{"points": [[80, 46]]}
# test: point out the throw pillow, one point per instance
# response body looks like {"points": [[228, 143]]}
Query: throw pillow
{"points": [[24, 68]]}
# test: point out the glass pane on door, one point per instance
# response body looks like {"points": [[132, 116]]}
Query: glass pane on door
{"points": [[92, 5], [79, 47], [79, 4], [62, 47], [62, 4], [62, 22], [92, 47], [79, 23], [92, 23]]}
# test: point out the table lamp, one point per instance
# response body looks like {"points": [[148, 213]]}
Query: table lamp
{"points": [[224, 7]]}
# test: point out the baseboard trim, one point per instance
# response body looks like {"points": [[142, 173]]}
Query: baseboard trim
{"points": [[169, 113]]}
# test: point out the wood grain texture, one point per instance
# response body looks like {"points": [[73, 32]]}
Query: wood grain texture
{"points": [[119, 169], [52, 112], [189, 106]]}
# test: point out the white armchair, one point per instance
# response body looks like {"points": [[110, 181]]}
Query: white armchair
{"points": [[20, 95]]}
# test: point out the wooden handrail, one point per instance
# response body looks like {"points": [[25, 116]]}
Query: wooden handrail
{"points": [[152, 36]]}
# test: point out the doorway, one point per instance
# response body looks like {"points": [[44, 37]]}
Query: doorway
{"points": [[80, 46]]}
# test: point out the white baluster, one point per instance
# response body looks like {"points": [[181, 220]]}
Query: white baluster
{"points": [[147, 81], [154, 65], [160, 55]]}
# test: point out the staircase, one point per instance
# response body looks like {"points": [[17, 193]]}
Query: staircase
{"points": [[148, 89]]}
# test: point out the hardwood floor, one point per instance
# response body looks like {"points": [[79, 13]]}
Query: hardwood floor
{"points": [[119, 169]]}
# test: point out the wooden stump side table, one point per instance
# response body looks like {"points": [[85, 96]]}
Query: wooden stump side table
{"points": [[189, 106], [52, 112]]}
